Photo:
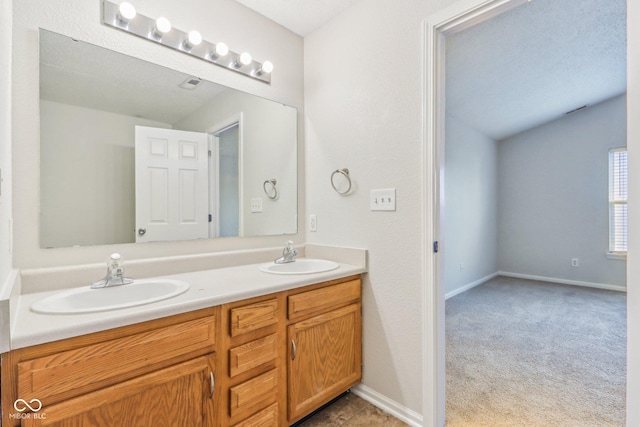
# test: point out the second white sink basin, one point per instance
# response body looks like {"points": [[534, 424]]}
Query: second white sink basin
{"points": [[88, 300], [300, 266]]}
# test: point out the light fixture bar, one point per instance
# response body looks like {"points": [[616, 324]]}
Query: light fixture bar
{"points": [[176, 39]]}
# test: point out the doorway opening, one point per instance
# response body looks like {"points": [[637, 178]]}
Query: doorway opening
{"points": [[225, 178], [438, 28]]}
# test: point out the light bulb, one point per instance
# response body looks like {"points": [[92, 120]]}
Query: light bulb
{"points": [[222, 49], [245, 58], [163, 26], [126, 12], [267, 67], [194, 38]]}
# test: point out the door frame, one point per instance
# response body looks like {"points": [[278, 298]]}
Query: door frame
{"points": [[437, 27], [214, 172]]}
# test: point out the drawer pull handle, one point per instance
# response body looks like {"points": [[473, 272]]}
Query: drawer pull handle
{"points": [[294, 350], [212, 384]]}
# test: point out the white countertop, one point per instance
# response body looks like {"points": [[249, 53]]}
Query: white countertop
{"points": [[208, 288]]}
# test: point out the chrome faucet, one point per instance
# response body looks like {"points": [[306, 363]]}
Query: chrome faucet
{"points": [[289, 254], [115, 274]]}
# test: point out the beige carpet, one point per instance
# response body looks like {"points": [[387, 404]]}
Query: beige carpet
{"points": [[528, 353]]}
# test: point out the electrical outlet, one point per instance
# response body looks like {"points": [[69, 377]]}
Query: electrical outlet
{"points": [[256, 205], [461, 267], [313, 223], [575, 262], [383, 200]]}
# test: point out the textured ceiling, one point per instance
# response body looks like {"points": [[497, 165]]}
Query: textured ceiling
{"points": [[533, 63], [516, 71], [89, 76], [300, 16]]}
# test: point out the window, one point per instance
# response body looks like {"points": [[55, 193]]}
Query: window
{"points": [[618, 201]]}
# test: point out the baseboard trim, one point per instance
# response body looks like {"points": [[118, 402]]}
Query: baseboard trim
{"points": [[394, 408], [564, 281], [465, 288]]}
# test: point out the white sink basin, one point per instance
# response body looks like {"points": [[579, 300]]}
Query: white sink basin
{"points": [[87, 300], [300, 266]]}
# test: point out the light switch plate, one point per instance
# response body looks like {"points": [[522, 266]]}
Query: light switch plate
{"points": [[383, 200], [256, 205]]}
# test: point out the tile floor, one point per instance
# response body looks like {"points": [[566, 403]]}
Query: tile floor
{"points": [[351, 411]]}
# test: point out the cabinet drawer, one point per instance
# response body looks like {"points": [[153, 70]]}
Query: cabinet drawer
{"points": [[252, 393], [252, 354], [323, 299], [253, 316], [266, 418], [78, 371]]}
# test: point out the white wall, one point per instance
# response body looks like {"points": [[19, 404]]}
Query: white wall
{"points": [[268, 135], [363, 111], [471, 206], [5, 140], [221, 20], [633, 254], [553, 197], [92, 202]]}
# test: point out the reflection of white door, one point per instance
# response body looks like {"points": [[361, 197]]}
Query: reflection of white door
{"points": [[171, 185]]}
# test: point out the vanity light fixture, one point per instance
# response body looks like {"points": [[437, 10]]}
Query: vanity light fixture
{"points": [[124, 17]]}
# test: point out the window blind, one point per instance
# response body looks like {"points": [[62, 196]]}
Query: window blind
{"points": [[618, 200]]}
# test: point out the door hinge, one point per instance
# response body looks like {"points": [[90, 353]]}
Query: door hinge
{"points": [[435, 247], [209, 153], [210, 218]]}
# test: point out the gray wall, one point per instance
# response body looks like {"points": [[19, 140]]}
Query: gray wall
{"points": [[93, 202], [471, 206], [553, 197]]}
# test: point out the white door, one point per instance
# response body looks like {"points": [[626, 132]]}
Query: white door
{"points": [[172, 196]]}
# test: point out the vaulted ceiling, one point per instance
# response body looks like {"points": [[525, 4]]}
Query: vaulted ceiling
{"points": [[532, 64]]}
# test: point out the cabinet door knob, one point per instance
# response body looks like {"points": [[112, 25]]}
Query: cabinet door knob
{"points": [[212, 384], [294, 350]]}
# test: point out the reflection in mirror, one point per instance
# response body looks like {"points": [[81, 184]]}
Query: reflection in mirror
{"points": [[131, 151]]}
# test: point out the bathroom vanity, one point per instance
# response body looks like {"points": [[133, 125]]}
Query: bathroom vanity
{"points": [[263, 360]]}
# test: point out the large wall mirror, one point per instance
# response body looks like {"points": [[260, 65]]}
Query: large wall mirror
{"points": [[131, 151]]}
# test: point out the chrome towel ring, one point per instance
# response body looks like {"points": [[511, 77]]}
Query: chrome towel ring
{"points": [[344, 172], [269, 187]]}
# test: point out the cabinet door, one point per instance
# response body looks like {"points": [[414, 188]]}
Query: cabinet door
{"points": [[176, 396], [324, 359]]}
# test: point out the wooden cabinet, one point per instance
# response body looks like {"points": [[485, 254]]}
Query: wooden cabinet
{"points": [[175, 396], [325, 355], [154, 373], [260, 362], [264, 381]]}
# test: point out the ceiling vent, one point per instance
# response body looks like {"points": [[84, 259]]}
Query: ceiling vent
{"points": [[575, 110], [191, 83]]}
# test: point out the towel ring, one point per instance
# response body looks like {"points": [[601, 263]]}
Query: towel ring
{"points": [[272, 192], [344, 172]]}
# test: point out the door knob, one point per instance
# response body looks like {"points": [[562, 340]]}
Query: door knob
{"points": [[142, 231]]}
